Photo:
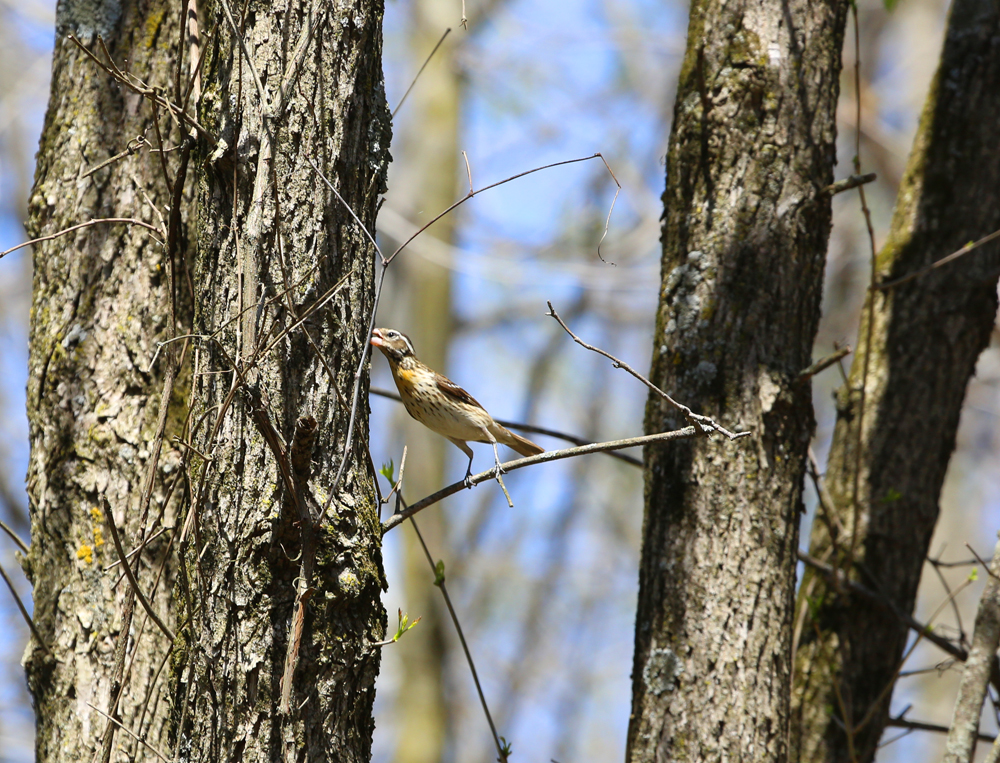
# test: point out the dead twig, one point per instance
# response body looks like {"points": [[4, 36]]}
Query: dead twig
{"points": [[704, 423], [520, 463]]}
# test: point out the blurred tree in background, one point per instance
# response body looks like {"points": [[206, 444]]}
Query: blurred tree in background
{"points": [[547, 591]]}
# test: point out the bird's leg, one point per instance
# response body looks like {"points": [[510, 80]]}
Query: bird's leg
{"points": [[463, 446], [468, 474], [498, 469]]}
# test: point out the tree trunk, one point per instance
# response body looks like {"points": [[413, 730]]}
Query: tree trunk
{"points": [[100, 302], [925, 337], [745, 231], [275, 575]]}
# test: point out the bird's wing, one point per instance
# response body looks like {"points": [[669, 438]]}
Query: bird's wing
{"points": [[452, 390]]}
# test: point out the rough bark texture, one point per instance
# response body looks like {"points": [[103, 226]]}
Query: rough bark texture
{"points": [[267, 241], [100, 301], [272, 241], [925, 338], [964, 730], [744, 239]]}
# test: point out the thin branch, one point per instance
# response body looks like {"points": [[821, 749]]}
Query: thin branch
{"points": [[706, 423], [24, 612], [132, 734], [439, 581], [520, 463], [64, 231], [839, 579], [869, 305], [131, 576], [943, 261], [848, 183], [823, 363], [13, 536], [902, 723], [420, 71], [972, 691], [265, 99]]}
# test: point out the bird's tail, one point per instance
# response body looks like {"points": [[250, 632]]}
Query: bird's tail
{"points": [[523, 446]]}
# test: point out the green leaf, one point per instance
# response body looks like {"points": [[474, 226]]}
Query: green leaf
{"points": [[439, 573], [505, 750], [404, 625], [974, 575], [388, 471], [890, 5]]}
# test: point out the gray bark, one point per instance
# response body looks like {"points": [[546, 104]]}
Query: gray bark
{"points": [[926, 335], [100, 302], [263, 243], [962, 737], [744, 239]]}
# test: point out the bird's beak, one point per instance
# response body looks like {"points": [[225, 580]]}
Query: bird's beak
{"points": [[377, 339]]}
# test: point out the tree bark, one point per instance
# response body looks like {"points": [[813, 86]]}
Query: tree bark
{"points": [[925, 337], [273, 558], [100, 302], [745, 231]]}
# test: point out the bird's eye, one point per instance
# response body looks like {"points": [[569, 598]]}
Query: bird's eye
{"points": [[392, 334]]}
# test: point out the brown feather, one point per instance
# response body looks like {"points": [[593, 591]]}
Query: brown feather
{"points": [[452, 390]]}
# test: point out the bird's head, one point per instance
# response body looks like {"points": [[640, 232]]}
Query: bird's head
{"points": [[394, 344]]}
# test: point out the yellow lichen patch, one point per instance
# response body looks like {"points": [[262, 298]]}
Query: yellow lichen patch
{"points": [[86, 553], [96, 515], [98, 537]]}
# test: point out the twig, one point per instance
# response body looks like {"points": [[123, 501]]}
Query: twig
{"points": [[943, 261], [847, 184], [24, 612], [64, 231], [440, 583], [145, 92], [840, 579], [420, 71], [705, 423], [902, 723], [520, 463], [130, 148], [823, 363], [131, 577], [132, 734], [982, 562], [13, 536]]}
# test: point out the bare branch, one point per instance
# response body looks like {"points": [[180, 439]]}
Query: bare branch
{"points": [[839, 580], [943, 261], [24, 612], [64, 231], [131, 576], [520, 463], [420, 71], [13, 536], [705, 423], [850, 182], [961, 745]]}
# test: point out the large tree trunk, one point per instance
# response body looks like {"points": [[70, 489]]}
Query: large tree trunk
{"points": [[744, 239], [926, 335], [100, 302], [251, 532]]}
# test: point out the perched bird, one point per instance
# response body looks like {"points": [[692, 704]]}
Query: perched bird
{"points": [[441, 405]]}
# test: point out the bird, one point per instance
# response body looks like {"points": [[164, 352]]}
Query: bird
{"points": [[442, 406]]}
